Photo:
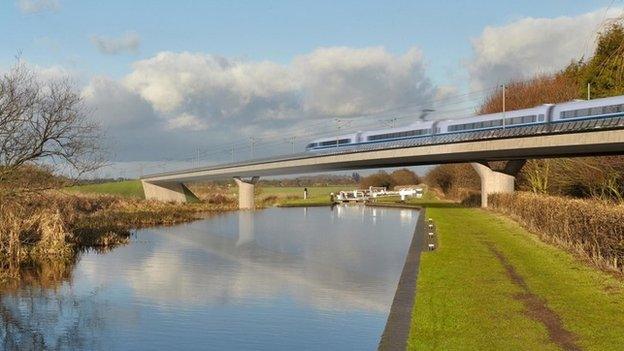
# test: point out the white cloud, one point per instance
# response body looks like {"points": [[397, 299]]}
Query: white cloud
{"points": [[115, 106], [196, 90], [127, 43], [346, 81], [533, 45], [206, 85], [35, 6], [186, 121], [172, 103]]}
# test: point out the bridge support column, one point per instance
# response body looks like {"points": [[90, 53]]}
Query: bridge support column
{"points": [[168, 192], [246, 189], [497, 181]]}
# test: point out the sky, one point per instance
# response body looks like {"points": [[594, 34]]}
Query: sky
{"points": [[179, 83]]}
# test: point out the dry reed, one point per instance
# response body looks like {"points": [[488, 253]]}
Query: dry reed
{"points": [[55, 226]]}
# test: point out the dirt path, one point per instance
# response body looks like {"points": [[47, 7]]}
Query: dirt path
{"points": [[536, 307]]}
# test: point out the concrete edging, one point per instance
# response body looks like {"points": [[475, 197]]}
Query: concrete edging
{"points": [[396, 331]]}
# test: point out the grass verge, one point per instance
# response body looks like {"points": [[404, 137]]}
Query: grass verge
{"points": [[126, 188], [491, 285]]}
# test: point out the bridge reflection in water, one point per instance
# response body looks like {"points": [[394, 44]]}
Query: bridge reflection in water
{"points": [[276, 279]]}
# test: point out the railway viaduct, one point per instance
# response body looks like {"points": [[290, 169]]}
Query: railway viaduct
{"points": [[514, 146]]}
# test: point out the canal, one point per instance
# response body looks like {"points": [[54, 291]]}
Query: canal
{"points": [[276, 279]]}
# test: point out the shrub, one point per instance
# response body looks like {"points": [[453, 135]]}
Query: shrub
{"points": [[405, 177], [220, 199], [382, 179], [591, 228], [456, 181]]}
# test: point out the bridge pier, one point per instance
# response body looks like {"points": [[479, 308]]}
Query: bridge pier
{"points": [[246, 200], [168, 192], [497, 181]]}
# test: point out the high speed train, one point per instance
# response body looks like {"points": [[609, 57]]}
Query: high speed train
{"points": [[545, 114]]}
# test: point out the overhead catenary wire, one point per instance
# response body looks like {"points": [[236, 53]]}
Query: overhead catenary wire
{"points": [[361, 121]]}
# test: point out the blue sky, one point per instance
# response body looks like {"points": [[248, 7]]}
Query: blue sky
{"points": [[262, 30], [168, 77]]}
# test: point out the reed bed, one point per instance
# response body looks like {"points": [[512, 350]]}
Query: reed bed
{"points": [[55, 226], [592, 229]]}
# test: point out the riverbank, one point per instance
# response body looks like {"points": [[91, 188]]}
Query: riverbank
{"points": [[55, 225], [492, 285]]}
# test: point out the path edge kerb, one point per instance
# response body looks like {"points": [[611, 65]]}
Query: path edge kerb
{"points": [[396, 331]]}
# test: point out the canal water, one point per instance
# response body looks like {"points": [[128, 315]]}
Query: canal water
{"points": [[276, 279]]}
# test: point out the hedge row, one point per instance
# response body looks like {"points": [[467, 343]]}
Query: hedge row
{"points": [[591, 228]]}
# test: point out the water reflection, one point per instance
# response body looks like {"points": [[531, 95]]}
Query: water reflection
{"points": [[273, 279], [38, 312], [245, 228]]}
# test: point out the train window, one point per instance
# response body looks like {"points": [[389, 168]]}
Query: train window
{"points": [[398, 134], [497, 122], [541, 118], [528, 119], [344, 141], [311, 145], [595, 111], [612, 109], [568, 114]]}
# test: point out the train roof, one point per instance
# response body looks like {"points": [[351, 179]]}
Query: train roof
{"points": [[413, 126], [593, 102], [343, 136], [512, 113]]}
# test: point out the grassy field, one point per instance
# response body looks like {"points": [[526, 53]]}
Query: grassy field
{"points": [[293, 196], [491, 285], [313, 191], [128, 188], [286, 196]]}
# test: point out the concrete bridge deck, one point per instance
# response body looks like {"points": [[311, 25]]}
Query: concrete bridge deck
{"points": [[603, 137]]}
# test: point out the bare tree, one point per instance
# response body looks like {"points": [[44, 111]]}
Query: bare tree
{"points": [[44, 121], [538, 174]]}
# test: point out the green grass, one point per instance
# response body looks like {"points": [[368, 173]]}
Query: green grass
{"points": [[128, 188], [317, 196], [466, 300], [133, 188], [313, 201], [313, 191]]}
